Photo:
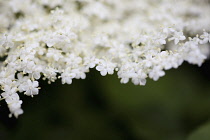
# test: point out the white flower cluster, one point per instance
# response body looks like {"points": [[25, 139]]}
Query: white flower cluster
{"points": [[53, 39]]}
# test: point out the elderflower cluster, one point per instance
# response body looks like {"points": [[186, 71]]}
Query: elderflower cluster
{"points": [[137, 39]]}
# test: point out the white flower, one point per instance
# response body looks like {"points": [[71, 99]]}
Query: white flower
{"points": [[168, 30], [28, 66], [31, 88], [102, 40], [72, 60], [6, 41], [206, 38], [67, 77], [90, 62], [22, 80], [118, 50], [36, 73], [177, 37], [97, 9], [54, 53], [13, 100], [161, 39], [156, 73], [50, 74], [139, 78], [105, 67]]}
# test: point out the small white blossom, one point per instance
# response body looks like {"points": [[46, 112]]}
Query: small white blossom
{"points": [[206, 38], [31, 88], [105, 67], [67, 76], [139, 78], [156, 73], [28, 66], [6, 41], [22, 80], [92, 9], [13, 101], [90, 62], [177, 37], [54, 53]]}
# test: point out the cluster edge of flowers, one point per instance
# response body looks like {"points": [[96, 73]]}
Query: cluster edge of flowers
{"points": [[137, 39]]}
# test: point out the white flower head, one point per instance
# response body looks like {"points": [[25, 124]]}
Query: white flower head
{"points": [[52, 39]]}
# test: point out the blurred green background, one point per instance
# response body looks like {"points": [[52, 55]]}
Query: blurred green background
{"points": [[176, 107]]}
